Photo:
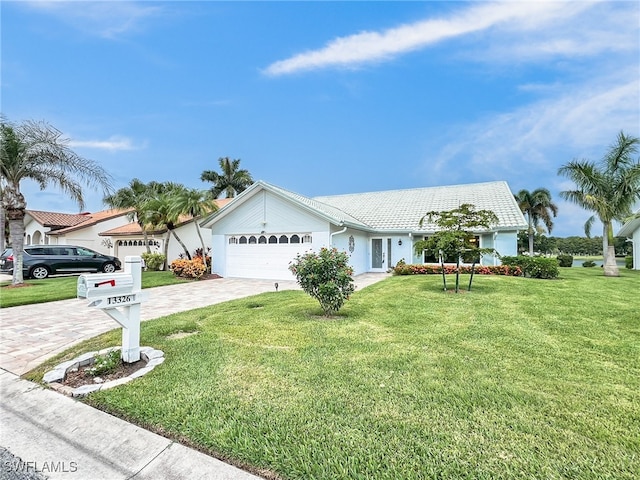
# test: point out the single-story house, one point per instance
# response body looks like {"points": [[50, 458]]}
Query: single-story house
{"points": [[631, 230], [265, 227]]}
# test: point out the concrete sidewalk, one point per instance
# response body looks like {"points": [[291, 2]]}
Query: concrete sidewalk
{"points": [[66, 439]]}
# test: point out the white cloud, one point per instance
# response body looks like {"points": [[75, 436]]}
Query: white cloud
{"points": [[367, 47], [112, 144], [579, 118], [107, 19]]}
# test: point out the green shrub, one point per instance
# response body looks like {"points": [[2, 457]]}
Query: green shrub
{"points": [[534, 267], [565, 260], [153, 261], [326, 276], [628, 262], [589, 264], [105, 363]]}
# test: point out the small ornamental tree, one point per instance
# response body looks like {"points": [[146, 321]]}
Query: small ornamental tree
{"points": [[326, 276], [456, 238]]}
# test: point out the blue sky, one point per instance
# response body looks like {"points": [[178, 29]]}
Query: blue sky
{"points": [[327, 97]]}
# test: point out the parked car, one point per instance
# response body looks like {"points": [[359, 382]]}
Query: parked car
{"points": [[40, 261]]}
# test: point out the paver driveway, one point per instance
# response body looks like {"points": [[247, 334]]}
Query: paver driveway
{"points": [[31, 334]]}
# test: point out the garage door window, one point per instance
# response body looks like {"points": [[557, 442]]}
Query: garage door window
{"points": [[272, 239]]}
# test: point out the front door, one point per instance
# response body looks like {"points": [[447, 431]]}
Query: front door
{"points": [[377, 255]]}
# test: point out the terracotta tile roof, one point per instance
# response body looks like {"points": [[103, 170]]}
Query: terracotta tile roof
{"points": [[92, 219], [56, 220], [128, 229], [134, 229]]}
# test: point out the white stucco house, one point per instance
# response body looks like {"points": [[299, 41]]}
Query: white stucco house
{"points": [[265, 227], [631, 231]]}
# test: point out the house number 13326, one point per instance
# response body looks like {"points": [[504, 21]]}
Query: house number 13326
{"points": [[120, 299]]}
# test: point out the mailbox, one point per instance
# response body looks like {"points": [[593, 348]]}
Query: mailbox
{"points": [[95, 285]]}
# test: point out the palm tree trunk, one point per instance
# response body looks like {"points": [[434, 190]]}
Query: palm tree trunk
{"points": [[3, 231], [16, 233], [530, 237], [610, 266], [204, 250], [165, 266], [184, 247], [14, 205]]}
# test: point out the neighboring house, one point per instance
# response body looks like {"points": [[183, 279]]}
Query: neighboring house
{"points": [[631, 230], [71, 229], [110, 232], [265, 227]]}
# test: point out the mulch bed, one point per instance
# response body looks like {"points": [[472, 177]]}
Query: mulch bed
{"points": [[80, 378]]}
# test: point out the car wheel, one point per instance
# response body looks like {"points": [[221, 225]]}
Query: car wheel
{"points": [[39, 272], [108, 267]]}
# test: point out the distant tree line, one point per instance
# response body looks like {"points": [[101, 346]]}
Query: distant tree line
{"points": [[571, 245]]}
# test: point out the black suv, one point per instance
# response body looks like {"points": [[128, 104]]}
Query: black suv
{"points": [[40, 261]]}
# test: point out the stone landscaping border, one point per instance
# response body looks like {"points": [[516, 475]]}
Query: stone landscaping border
{"points": [[56, 376]]}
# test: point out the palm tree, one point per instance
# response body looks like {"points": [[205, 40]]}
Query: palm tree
{"points": [[134, 196], [37, 151], [232, 180], [537, 206], [195, 203], [158, 211], [609, 189]]}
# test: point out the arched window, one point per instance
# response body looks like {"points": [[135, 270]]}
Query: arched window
{"points": [[295, 239], [307, 239], [233, 240], [243, 240], [283, 239], [252, 240], [262, 239], [273, 239]]}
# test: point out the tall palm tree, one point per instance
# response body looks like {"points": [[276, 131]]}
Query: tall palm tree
{"points": [[195, 203], [37, 151], [537, 206], [134, 196], [158, 211], [232, 180], [609, 188]]}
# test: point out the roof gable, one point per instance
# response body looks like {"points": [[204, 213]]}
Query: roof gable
{"points": [[394, 210], [629, 228]]}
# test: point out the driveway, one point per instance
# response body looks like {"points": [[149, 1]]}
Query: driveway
{"points": [[31, 334]]}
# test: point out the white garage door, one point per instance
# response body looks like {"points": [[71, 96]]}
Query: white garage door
{"points": [[265, 257]]}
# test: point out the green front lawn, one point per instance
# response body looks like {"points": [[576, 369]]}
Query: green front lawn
{"points": [[520, 378], [63, 288]]}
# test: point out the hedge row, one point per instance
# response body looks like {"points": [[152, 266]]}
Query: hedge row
{"points": [[404, 269]]}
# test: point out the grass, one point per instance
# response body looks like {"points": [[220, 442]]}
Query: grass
{"points": [[63, 288], [520, 378]]}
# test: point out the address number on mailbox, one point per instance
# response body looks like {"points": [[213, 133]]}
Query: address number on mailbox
{"points": [[120, 299]]}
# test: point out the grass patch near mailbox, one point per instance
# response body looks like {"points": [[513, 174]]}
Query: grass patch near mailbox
{"points": [[520, 378], [64, 288]]}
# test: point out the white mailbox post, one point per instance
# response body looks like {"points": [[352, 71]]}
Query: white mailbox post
{"points": [[110, 291]]}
